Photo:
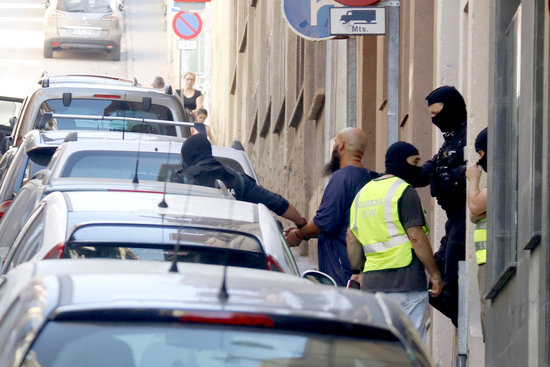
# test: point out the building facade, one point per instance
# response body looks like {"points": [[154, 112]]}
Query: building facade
{"points": [[285, 98]]}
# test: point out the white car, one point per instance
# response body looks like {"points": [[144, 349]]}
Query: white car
{"points": [[95, 313], [155, 158], [132, 225]]}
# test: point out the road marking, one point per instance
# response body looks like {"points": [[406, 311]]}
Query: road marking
{"points": [[21, 39], [21, 6]]}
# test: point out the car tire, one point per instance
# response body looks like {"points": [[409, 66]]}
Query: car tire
{"points": [[48, 52], [115, 53]]}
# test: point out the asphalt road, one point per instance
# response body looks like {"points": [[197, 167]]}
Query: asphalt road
{"points": [[144, 47]]}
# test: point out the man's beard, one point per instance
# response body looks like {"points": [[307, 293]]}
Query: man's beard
{"points": [[333, 165]]}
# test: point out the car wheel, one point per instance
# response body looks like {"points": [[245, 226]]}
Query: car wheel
{"points": [[48, 52], [115, 53]]}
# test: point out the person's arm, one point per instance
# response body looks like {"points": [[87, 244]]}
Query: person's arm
{"points": [[477, 200], [295, 236], [209, 134], [427, 170], [355, 254], [294, 215], [423, 250], [199, 101]]}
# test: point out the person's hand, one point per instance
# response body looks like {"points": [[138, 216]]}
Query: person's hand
{"points": [[293, 238], [437, 285], [287, 230], [473, 171], [357, 277]]}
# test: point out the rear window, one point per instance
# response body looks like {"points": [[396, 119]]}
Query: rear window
{"points": [[85, 6], [164, 345], [162, 243], [112, 164], [105, 107]]}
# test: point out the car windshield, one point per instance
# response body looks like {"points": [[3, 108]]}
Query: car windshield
{"points": [[88, 344], [162, 243], [152, 166], [104, 107], [85, 6]]}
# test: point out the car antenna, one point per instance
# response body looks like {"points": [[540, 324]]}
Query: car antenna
{"points": [[223, 296], [174, 266], [136, 179], [163, 203]]}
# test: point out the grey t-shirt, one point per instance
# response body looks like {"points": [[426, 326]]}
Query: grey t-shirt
{"points": [[413, 276]]}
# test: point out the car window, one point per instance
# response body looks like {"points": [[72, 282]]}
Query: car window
{"points": [[118, 164], [163, 243], [28, 243], [122, 164], [16, 216], [164, 345], [7, 158], [105, 107], [26, 171], [85, 6]]}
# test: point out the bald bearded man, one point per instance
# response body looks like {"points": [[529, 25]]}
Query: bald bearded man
{"points": [[332, 218]]}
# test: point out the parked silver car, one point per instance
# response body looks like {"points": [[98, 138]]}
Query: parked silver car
{"points": [[152, 226], [95, 313], [97, 103], [83, 24]]}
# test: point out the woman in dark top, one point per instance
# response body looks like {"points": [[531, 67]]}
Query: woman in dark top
{"points": [[192, 98]]}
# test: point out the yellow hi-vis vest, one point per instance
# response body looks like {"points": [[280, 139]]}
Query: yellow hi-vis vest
{"points": [[480, 241], [374, 220]]}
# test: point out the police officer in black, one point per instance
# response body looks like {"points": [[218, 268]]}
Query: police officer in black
{"points": [[445, 173], [201, 168]]}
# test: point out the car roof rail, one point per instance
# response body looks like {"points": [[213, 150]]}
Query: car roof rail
{"points": [[72, 136], [168, 89]]}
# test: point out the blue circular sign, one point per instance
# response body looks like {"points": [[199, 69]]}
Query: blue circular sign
{"points": [[309, 18], [187, 25]]}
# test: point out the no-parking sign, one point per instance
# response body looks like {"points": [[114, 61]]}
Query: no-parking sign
{"points": [[187, 25]]}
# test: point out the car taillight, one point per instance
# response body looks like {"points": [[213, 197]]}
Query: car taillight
{"points": [[110, 17], [4, 207], [273, 265], [108, 96], [56, 252], [226, 318]]}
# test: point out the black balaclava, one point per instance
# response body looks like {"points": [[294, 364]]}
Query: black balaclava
{"points": [[453, 114], [195, 149], [397, 165], [481, 144]]}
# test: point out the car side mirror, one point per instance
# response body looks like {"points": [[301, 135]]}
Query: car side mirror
{"points": [[121, 7], [7, 142], [318, 277], [13, 121], [46, 3]]}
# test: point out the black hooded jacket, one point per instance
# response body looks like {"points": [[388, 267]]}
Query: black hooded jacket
{"points": [[446, 171], [201, 168]]}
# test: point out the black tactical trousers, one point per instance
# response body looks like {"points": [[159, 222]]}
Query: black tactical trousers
{"points": [[451, 251]]}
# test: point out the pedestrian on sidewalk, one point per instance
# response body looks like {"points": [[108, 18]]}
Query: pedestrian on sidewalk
{"points": [[388, 237], [331, 220]]}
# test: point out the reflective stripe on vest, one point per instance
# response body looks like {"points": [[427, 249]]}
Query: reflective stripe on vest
{"points": [[374, 220], [480, 241]]}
